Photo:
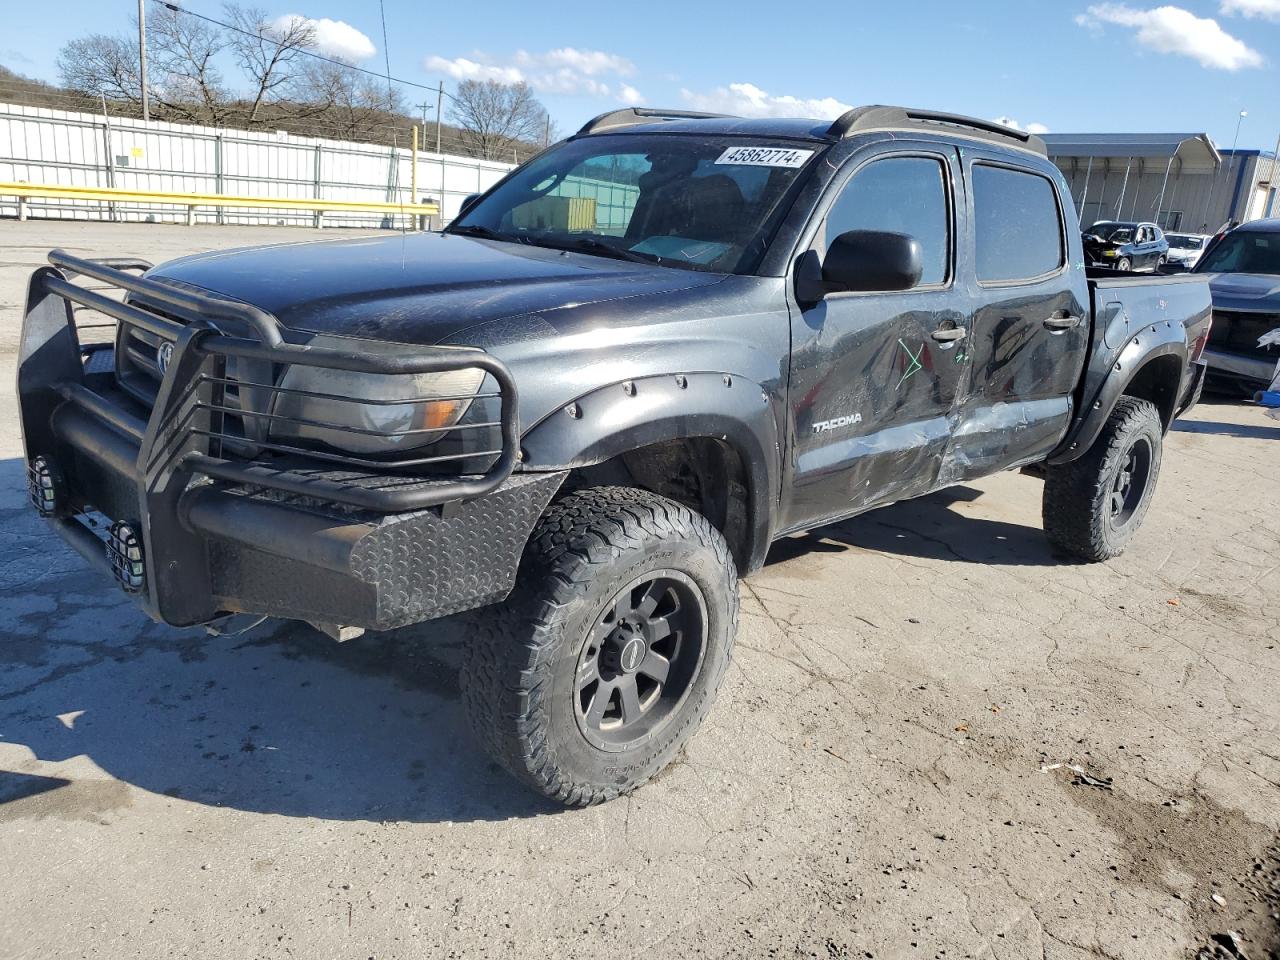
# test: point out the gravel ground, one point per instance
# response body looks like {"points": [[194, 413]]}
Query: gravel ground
{"points": [[888, 772]]}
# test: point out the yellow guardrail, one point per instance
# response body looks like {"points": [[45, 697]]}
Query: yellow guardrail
{"points": [[26, 191]]}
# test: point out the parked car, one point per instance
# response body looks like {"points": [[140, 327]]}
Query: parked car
{"points": [[1125, 246], [1185, 249], [760, 327], [1243, 268]]}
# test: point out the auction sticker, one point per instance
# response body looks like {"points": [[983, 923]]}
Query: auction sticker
{"points": [[765, 156]]}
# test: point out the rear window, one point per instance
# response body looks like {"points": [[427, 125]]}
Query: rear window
{"points": [[1017, 225]]}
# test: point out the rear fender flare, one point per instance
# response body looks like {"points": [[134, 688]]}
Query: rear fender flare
{"points": [[1164, 339], [627, 415]]}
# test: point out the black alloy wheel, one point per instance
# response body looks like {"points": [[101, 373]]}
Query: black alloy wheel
{"points": [[639, 658], [1129, 487]]}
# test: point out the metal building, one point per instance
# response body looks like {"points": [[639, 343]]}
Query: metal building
{"points": [[1179, 180]]}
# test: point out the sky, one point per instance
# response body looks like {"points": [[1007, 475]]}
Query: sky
{"points": [[1067, 66]]}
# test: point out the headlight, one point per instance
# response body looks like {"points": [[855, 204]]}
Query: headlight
{"points": [[364, 413]]}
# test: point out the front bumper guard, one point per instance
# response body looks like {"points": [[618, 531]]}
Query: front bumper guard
{"points": [[296, 533]]}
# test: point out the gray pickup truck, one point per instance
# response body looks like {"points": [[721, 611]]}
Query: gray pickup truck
{"points": [[1243, 270], [593, 402]]}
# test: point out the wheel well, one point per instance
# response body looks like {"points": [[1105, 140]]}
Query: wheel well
{"points": [[705, 474], [1158, 382]]}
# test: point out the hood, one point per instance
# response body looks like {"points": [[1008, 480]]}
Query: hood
{"points": [[1246, 291], [420, 287]]}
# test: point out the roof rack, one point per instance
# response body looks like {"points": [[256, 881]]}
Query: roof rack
{"points": [[630, 116], [879, 117]]}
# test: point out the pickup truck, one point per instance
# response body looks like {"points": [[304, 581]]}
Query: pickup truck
{"points": [[592, 403], [1243, 270]]}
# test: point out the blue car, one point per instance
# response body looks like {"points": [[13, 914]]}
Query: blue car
{"points": [[1125, 246]]}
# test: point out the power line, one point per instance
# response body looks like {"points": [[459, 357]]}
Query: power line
{"points": [[306, 53]]}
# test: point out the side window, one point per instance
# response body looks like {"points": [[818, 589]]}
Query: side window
{"points": [[1017, 224], [899, 195]]}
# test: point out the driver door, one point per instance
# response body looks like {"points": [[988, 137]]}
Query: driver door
{"points": [[875, 375]]}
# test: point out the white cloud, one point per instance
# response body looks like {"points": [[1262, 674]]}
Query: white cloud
{"points": [[565, 70], [589, 62], [333, 38], [460, 68], [748, 100], [1267, 9], [1177, 31], [1036, 128]]}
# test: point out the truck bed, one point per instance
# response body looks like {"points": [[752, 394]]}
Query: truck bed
{"points": [[1122, 304]]}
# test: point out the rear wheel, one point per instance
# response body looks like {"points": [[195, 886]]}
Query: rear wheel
{"points": [[1093, 507], [611, 649]]}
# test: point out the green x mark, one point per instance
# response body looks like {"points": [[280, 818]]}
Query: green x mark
{"points": [[914, 365]]}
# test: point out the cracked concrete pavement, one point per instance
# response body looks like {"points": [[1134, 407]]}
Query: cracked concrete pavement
{"points": [[869, 784]]}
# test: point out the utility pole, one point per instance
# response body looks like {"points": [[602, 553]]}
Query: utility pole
{"points": [[439, 105], [1213, 187], [142, 57], [425, 107], [546, 133], [1273, 201]]}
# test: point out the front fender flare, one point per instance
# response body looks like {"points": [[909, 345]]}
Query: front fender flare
{"points": [[630, 414]]}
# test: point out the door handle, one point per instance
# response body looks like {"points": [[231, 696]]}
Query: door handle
{"points": [[1057, 323], [949, 334]]}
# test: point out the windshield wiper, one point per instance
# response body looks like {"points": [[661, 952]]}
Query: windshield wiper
{"points": [[485, 233], [592, 245]]}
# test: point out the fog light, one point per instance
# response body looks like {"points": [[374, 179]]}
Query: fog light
{"points": [[44, 487], [124, 550]]}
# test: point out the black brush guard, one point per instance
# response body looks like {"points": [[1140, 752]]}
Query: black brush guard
{"points": [[313, 534]]}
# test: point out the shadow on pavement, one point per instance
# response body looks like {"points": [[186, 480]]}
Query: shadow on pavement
{"points": [[1267, 429], [281, 720], [929, 528]]}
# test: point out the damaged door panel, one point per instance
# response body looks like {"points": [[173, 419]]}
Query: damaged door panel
{"points": [[875, 373]]}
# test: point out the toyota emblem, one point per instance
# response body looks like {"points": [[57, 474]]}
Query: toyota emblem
{"points": [[164, 353]]}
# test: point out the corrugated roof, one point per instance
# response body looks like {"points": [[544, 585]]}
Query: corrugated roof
{"points": [[1190, 147]]}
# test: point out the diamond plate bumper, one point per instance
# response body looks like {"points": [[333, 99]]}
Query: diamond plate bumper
{"points": [[271, 554]]}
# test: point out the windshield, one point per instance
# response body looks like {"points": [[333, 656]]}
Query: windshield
{"points": [[1243, 253], [1112, 232], [700, 203], [1184, 243]]}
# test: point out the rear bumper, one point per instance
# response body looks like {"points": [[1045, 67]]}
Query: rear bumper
{"points": [[281, 536]]}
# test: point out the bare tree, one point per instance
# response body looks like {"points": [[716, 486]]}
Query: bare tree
{"points": [[183, 51], [102, 65], [495, 117], [268, 52], [353, 104]]}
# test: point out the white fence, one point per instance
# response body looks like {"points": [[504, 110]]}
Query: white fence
{"points": [[81, 149]]}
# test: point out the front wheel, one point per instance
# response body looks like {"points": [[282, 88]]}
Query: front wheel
{"points": [[1093, 506], [610, 650], [1125, 264]]}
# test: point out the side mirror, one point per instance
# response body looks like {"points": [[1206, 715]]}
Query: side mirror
{"points": [[468, 202], [873, 261]]}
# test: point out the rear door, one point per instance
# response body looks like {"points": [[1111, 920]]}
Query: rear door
{"points": [[1147, 250], [875, 375], [1028, 336]]}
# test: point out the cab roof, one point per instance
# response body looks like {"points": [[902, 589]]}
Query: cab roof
{"points": [[857, 120]]}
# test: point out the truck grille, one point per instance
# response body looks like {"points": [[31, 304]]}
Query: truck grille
{"points": [[138, 371], [1236, 332]]}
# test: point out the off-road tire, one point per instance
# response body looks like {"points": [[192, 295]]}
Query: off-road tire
{"points": [[519, 672], [1077, 505]]}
